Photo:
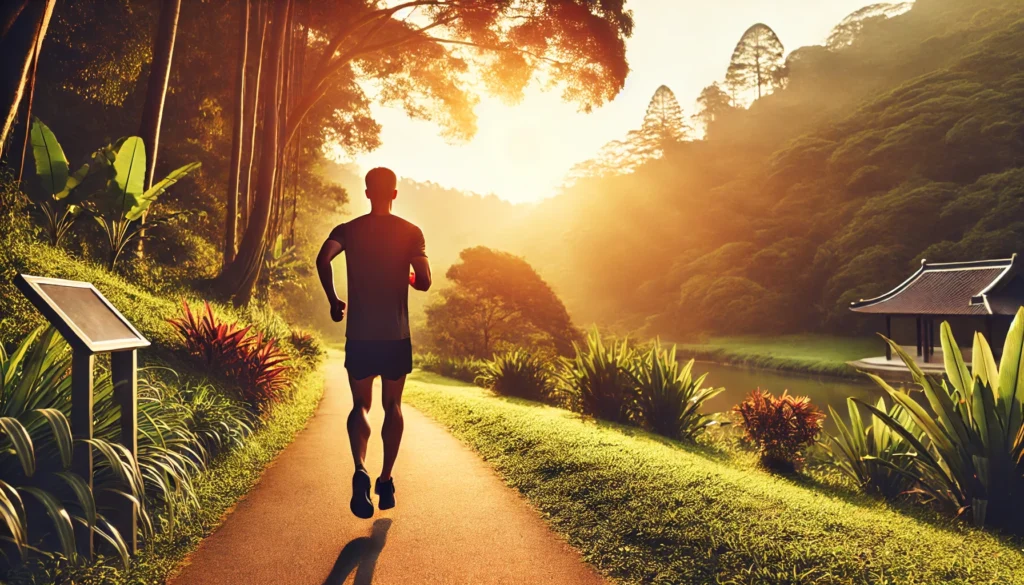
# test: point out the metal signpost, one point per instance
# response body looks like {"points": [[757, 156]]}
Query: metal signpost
{"points": [[91, 325]]}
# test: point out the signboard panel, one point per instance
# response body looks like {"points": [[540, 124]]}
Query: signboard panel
{"points": [[81, 314]]}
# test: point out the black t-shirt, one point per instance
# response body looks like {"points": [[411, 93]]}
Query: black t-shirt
{"points": [[378, 252]]}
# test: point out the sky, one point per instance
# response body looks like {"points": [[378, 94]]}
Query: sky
{"points": [[522, 152]]}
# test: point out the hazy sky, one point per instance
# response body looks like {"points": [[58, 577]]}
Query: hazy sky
{"points": [[522, 153]]}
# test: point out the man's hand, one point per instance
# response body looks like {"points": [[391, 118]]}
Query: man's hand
{"points": [[337, 310]]}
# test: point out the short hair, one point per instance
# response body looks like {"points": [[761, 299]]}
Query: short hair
{"points": [[381, 180]]}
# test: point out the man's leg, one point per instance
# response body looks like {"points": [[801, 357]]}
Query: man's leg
{"points": [[358, 421], [393, 422]]}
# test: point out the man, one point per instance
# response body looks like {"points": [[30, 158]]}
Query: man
{"points": [[379, 249]]}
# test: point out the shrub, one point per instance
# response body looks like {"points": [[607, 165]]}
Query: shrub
{"points": [[670, 398], [517, 373], [874, 456], [307, 346], [459, 368], [969, 459], [248, 359], [599, 380], [779, 427]]}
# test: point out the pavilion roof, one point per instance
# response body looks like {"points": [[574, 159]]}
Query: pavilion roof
{"points": [[986, 287]]}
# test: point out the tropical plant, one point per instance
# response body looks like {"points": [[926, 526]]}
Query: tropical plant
{"points": [[120, 205], [970, 457], [519, 373], [599, 381], [669, 397], [874, 456], [280, 264], [38, 448], [780, 428], [250, 360], [307, 346], [57, 196]]}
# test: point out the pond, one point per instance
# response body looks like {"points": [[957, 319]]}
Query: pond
{"points": [[823, 391]]}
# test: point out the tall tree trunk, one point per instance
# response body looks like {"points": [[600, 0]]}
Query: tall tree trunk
{"points": [[23, 25], [237, 140], [27, 119], [156, 90], [262, 18], [238, 278]]}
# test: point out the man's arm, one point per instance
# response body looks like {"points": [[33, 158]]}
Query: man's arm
{"points": [[331, 248], [421, 266]]}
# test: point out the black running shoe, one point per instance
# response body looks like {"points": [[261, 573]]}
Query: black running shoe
{"points": [[361, 504], [386, 491]]}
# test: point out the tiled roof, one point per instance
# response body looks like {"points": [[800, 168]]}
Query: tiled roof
{"points": [[961, 288]]}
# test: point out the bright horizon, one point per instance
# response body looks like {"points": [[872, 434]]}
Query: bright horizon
{"points": [[522, 153]]}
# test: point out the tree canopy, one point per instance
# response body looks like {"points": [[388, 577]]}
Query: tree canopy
{"points": [[757, 63]]}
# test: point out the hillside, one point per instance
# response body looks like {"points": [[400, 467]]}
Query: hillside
{"points": [[905, 144]]}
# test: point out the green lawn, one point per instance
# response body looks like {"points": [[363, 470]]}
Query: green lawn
{"points": [[817, 354], [646, 510]]}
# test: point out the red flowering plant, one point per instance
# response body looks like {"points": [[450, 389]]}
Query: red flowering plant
{"points": [[781, 428], [248, 358]]}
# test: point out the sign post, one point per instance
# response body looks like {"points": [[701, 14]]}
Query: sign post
{"points": [[91, 326]]}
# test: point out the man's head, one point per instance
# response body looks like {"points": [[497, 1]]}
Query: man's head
{"points": [[381, 184]]}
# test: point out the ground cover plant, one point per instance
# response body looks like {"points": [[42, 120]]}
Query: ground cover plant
{"points": [[781, 428], [459, 368], [645, 510]]}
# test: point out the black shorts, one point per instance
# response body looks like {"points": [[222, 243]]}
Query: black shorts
{"points": [[387, 359]]}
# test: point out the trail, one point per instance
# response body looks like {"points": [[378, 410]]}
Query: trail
{"points": [[455, 523]]}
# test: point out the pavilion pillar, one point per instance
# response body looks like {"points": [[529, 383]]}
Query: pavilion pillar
{"points": [[918, 329], [888, 335]]}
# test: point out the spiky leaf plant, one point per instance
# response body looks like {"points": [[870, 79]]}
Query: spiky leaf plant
{"points": [[599, 381], [874, 456], [970, 456], [518, 373], [670, 398]]}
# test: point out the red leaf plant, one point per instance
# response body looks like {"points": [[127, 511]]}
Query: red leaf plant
{"points": [[780, 427], [254, 362]]}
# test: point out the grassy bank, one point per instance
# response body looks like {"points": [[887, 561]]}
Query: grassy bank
{"points": [[810, 354], [646, 510]]}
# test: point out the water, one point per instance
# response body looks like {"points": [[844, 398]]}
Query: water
{"points": [[823, 391]]}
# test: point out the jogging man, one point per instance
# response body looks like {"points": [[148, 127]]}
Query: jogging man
{"points": [[379, 250]]}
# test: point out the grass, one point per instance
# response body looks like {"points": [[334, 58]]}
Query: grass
{"points": [[808, 353], [643, 509], [228, 478]]}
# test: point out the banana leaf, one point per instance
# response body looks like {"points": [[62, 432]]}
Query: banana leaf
{"points": [[51, 164]]}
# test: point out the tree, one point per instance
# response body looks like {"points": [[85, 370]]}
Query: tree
{"points": [[237, 139], [23, 25], [156, 91], [755, 62], [239, 277], [712, 103], [664, 125], [417, 53], [497, 298], [846, 32]]}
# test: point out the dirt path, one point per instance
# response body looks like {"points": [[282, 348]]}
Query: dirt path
{"points": [[455, 522]]}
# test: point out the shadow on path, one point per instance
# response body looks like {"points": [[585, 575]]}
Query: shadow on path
{"points": [[360, 554]]}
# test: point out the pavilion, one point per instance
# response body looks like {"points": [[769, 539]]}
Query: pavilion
{"points": [[972, 296]]}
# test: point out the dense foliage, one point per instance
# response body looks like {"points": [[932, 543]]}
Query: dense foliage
{"points": [[788, 210]]}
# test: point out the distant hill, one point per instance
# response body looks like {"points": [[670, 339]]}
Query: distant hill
{"points": [[907, 143]]}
